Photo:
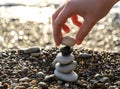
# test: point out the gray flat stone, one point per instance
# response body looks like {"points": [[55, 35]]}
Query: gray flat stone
{"points": [[66, 68], [64, 59]]}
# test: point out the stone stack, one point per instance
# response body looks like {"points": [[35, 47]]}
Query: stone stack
{"points": [[65, 64]]}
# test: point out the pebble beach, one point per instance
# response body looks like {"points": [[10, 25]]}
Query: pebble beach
{"points": [[27, 50]]}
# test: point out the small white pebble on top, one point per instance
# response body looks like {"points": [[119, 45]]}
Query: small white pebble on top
{"points": [[68, 41]]}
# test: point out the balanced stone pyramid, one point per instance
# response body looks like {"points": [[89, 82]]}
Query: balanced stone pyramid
{"points": [[64, 62]]}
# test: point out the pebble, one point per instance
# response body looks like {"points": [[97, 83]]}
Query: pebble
{"points": [[43, 85], [104, 79], [50, 78], [66, 68], [98, 75], [66, 50], [68, 41], [14, 85], [4, 55], [25, 79], [100, 85], [117, 83], [40, 75], [85, 55], [19, 87], [67, 85], [59, 82], [25, 69], [25, 84], [70, 77], [36, 88], [32, 82], [29, 50], [64, 59], [1, 87], [113, 87]]}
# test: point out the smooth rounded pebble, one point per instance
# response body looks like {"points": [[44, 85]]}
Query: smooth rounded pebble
{"points": [[70, 77], [49, 78], [64, 59], [29, 50], [68, 41], [25, 79], [66, 68]]}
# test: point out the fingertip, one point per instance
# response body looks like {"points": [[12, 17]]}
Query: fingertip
{"points": [[57, 44], [57, 40], [78, 42]]}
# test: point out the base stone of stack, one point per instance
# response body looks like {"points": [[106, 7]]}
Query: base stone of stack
{"points": [[69, 77]]}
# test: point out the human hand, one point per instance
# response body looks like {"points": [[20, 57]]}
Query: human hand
{"points": [[91, 11]]}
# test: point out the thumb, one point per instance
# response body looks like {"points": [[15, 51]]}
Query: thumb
{"points": [[84, 30]]}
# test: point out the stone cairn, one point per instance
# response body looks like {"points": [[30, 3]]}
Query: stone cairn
{"points": [[64, 62]]}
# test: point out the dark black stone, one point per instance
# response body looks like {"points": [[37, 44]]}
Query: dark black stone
{"points": [[66, 50]]}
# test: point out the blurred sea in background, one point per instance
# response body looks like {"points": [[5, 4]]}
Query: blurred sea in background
{"points": [[26, 23], [34, 10]]}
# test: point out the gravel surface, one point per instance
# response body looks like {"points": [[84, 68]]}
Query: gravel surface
{"points": [[31, 68]]}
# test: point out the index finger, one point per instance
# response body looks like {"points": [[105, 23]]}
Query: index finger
{"points": [[57, 35], [60, 20]]}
